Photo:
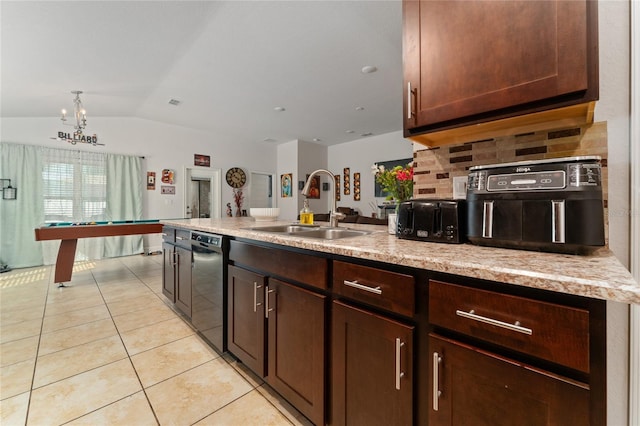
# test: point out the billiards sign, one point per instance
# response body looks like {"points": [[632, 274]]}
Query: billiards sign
{"points": [[78, 137]]}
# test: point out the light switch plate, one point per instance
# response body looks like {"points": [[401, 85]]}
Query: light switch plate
{"points": [[460, 187]]}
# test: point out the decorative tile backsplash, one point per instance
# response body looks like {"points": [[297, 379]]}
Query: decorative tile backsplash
{"points": [[435, 168]]}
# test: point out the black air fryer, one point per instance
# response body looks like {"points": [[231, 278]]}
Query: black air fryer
{"points": [[548, 205]]}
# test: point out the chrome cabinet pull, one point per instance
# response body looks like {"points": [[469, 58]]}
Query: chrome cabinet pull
{"points": [[180, 238], [513, 327], [355, 284], [557, 221], [267, 292], [175, 258], [487, 220], [399, 372], [437, 359], [255, 296], [409, 112]]}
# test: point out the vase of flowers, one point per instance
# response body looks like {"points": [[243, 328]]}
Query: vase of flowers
{"points": [[397, 182]]}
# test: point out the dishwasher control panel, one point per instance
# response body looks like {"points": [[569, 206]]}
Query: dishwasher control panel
{"points": [[209, 240]]}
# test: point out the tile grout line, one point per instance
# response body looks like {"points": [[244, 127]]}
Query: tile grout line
{"points": [[144, 391]]}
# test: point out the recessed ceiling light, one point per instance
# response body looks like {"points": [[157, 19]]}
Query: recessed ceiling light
{"points": [[174, 102], [279, 109], [270, 140], [368, 69], [359, 108], [349, 131], [317, 139], [366, 134]]}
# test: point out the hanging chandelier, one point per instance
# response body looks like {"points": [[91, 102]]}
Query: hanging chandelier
{"points": [[78, 112], [80, 115]]}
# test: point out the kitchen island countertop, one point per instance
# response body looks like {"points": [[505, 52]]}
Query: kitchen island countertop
{"points": [[599, 275]]}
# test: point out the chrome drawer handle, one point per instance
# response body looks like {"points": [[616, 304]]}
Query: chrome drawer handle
{"points": [[267, 309], [487, 219], [355, 284], [513, 327], [255, 296], [437, 359], [180, 238], [557, 221], [399, 372]]}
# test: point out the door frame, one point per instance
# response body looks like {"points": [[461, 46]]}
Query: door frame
{"points": [[634, 346], [216, 187], [274, 199]]}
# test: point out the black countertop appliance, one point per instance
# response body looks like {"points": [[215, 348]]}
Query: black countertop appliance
{"points": [[552, 205], [439, 221]]}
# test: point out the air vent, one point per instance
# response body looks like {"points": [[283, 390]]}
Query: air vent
{"points": [[174, 102]]}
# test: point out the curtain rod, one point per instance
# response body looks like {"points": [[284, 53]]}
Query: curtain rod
{"points": [[71, 149]]}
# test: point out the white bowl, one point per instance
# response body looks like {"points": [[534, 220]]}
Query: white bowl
{"points": [[264, 214]]}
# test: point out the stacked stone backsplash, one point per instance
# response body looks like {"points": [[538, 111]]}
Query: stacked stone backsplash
{"points": [[435, 168]]}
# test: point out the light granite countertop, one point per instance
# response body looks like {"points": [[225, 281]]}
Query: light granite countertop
{"points": [[599, 275]]}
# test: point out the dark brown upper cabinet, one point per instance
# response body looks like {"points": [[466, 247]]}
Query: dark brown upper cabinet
{"points": [[479, 69]]}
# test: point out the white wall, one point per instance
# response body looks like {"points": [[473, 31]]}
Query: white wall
{"points": [[359, 156], [311, 157], [163, 146], [287, 162], [613, 107]]}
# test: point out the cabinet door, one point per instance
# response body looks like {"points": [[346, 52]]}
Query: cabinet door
{"points": [[184, 265], [168, 272], [473, 387], [480, 59], [296, 324], [246, 322], [372, 369]]}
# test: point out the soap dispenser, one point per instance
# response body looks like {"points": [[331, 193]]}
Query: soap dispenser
{"points": [[306, 215]]}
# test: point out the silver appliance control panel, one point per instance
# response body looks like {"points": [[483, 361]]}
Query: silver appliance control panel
{"points": [[531, 178], [527, 181]]}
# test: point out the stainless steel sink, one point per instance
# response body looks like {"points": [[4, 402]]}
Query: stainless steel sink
{"points": [[284, 229], [307, 231], [332, 233]]}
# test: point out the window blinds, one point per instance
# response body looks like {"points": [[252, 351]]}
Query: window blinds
{"points": [[74, 185]]}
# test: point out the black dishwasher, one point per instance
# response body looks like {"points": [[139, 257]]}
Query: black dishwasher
{"points": [[208, 283]]}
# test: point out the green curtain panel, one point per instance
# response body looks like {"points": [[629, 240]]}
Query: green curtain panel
{"points": [[124, 201], [18, 218], [36, 170]]}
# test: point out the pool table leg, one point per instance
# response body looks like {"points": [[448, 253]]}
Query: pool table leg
{"points": [[64, 264]]}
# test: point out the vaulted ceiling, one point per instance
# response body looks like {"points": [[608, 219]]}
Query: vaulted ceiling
{"points": [[229, 63]]}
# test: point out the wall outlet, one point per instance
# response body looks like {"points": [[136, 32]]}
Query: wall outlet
{"points": [[460, 187]]}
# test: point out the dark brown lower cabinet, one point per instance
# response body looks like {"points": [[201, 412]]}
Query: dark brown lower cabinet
{"points": [[176, 276], [184, 269], [474, 387], [372, 369], [168, 272], [278, 331], [296, 359], [246, 329]]}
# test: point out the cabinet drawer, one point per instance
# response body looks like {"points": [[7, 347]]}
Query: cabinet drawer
{"points": [[183, 238], [295, 266], [377, 287], [169, 234], [545, 330]]}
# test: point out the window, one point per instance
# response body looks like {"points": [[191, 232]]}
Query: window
{"points": [[74, 186]]}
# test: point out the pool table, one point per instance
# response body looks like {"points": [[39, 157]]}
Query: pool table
{"points": [[69, 232]]}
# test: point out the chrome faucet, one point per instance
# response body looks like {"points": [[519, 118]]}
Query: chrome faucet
{"points": [[334, 215]]}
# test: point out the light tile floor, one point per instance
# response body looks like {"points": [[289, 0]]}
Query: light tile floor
{"points": [[110, 350]]}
